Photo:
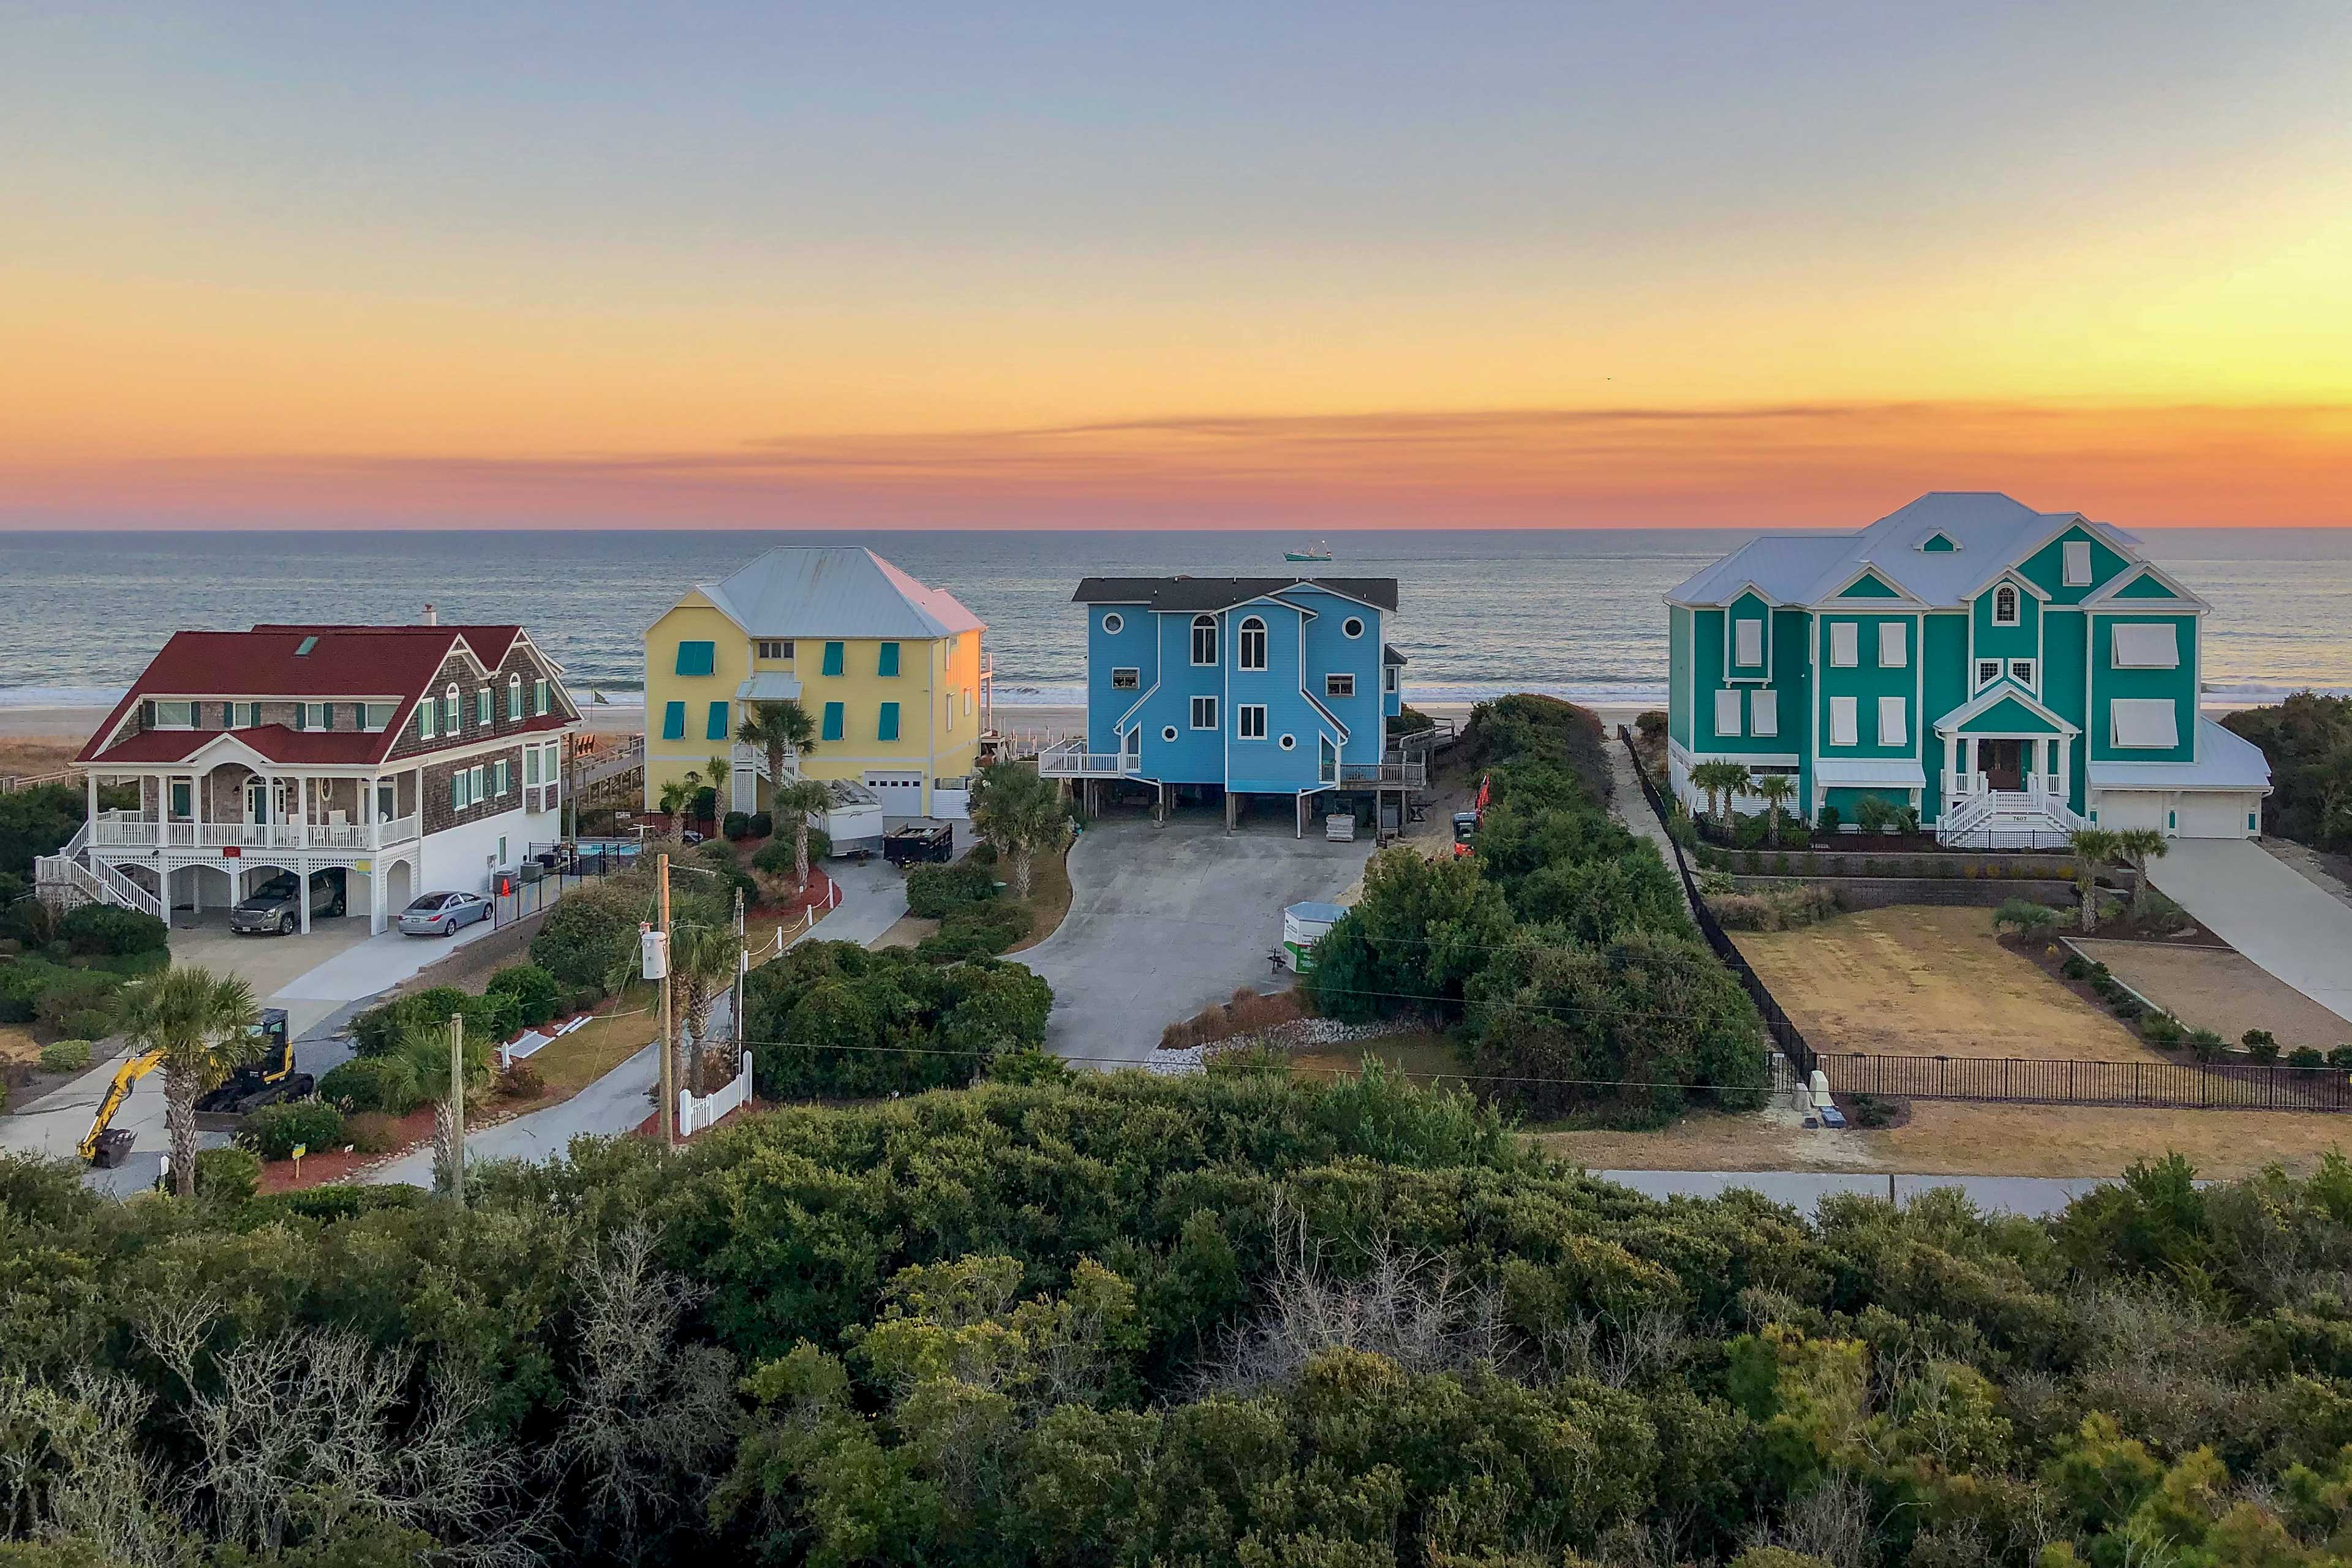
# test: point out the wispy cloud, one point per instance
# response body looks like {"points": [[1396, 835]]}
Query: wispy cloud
{"points": [[1811, 462]]}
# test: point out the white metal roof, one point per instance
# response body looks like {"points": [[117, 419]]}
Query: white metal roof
{"points": [[770, 686], [2224, 761], [1993, 532], [834, 590], [1866, 772]]}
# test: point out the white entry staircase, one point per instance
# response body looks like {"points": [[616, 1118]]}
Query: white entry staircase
{"points": [[71, 878], [1988, 818]]}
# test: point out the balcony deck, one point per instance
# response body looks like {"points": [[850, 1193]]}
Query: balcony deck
{"points": [[128, 830]]}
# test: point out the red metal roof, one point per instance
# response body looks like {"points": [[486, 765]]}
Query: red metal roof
{"points": [[392, 663]]}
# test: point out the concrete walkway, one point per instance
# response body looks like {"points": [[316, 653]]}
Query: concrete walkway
{"points": [[2034, 1197], [2267, 911], [1631, 806]]}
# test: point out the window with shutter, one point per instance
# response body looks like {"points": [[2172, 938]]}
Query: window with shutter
{"points": [[673, 721], [833, 659], [538, 697], [886, 726], [1846, 729], [1727, 711], [1763, 712], [1749, 639], [833, 719], [2078, 563], [887, 661], [1894, 645], [715, 725], [1845, 644], [1893, 727]]}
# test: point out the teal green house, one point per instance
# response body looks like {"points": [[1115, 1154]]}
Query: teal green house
{"points": [[2005, 672]]}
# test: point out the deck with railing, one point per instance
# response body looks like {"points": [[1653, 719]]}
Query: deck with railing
{"points": [[128, 830], [1071, 760]]}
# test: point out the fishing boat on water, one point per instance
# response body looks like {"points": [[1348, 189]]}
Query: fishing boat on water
{"points": [[1315, 551]]}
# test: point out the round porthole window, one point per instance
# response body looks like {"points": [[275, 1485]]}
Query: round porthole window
{"points": [[1354, 626], [1167, 733], [1289, 742], [1111, 623]]}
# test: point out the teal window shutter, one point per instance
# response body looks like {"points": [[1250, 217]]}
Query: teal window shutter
{"points": [[833, 659], [696, 657], [718, 730], [833, 717], [889, 730], [673, 722], [889, 661]]}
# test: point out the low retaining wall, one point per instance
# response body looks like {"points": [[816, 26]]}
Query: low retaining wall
{"points": [[1881, 892]]}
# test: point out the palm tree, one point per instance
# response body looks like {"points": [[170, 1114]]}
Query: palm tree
{"points": [[797, 800], [1776, 790], [202, 1024], [778, 729], [426, 1047], [679, 794], [1019, 812], [2136, 846], [2092, 847], [703, 963], [1722, 781]]}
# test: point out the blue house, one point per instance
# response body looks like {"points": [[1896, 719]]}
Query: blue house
{"points": [[1271, 685]]}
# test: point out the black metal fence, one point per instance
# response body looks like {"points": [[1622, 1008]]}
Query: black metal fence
{"points": [[1786, 1037], [561, 867], [2157, 1084]]}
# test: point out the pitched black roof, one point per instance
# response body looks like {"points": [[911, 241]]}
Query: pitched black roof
{"points": [[1222, 593], [1389, 654]]}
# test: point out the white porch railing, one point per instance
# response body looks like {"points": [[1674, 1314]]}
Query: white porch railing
{"points": [[116, 829], [1391, 774], [1071, 760], [697, 1112]]}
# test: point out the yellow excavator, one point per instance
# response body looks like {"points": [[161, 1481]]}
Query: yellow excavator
{"points": [[268, 1077]]}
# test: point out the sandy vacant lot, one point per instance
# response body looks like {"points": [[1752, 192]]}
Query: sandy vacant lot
{"points": [[1912, 980], [2222, 989], [1974, 1139]]}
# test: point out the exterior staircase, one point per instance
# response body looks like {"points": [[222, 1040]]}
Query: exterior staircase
{"points": [[2007, 819], [71, 878]]}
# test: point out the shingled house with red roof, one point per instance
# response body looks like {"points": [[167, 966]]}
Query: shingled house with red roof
{"points": [[415, 758]]}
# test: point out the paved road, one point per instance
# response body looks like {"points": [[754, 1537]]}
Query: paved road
{"points": [[1165, 921], [2267, 911], [2031, 1196]]}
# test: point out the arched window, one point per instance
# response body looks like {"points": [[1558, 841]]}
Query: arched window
{"points": [[2004, 605], [1205, 639], [1252, 649], [514, 697], [453, 713]]}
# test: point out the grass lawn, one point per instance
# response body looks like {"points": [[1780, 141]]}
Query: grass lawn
{"points": [[570, 1063], [1426, 1059], [1926, 982]]}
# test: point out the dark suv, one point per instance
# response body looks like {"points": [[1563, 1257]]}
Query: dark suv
{"points": [[276, 905]]}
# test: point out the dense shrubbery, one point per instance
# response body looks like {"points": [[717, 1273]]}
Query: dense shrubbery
{"points": [[275, 1131], [384, 1084], [108, 930], [591, 934], [1560, 914], [65, 1055], [380, 1031], [834, 1018], [933, 891], [538, 995], [1224, 1321], [1775, 909], [2308, 740]]}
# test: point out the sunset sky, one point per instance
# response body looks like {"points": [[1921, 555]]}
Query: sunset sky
{"points": [[1203, 265]]}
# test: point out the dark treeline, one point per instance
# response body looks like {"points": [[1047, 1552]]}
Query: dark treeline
{"points": [[1125, 1320]]}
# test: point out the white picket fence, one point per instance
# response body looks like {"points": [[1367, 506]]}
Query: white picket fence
{"points": [[697, 1112]]}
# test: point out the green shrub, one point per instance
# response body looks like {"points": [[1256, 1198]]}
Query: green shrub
{"points": [[65, 1055], [71, 991], [2306, 1058], [982, 854], [381, 1031], [2208, 1046], [371, 1132], [385, 1084], [228, 1176], [1870, 1110], [736, 825], [2075, 967], [1780, 909], [762, 825], [1826, 820], [2160, 1030], [2126, 1007], [2341, 1057], [975, 930], [2253, 1038], [537, 994], [274, 1130], [589, 936], [2026, 918], [109, 929], [955, 1019], [91, 1024], [2264, 1049], [934, 891]]}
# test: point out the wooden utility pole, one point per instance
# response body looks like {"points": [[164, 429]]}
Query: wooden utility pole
{"points": [[457, 1108], [668, 1068]]}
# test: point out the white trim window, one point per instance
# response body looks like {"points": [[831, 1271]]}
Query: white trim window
{"points": [[314, 715], [1249, 721], [1747, 643], [1204, 712], [1845, 722], [2021, 670], [176, 715], [482, 708], [1204, 641], [539, 698], [514, 698], [453, 716], [1114, 623], [1251, 652], [1353, 626], [2147, 645], [1845, 644], [1763, 712], [1988, 672], [426, 712], [1894, 645], [501, 778], [1893, 720], [2144, 722], [531, 767], [1125, 678], [1727, 711], [1339, 686], [1388, 677], [480, 784], [2077, 552], [376, 717], [2005, 605], [769, 650]]}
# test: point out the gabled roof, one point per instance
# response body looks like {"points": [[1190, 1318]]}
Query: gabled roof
{"points": [[1994, 532], [2114, 592], [1992, 696], [1182, 594], [1389, 654], [300, 663], [834, 590]]}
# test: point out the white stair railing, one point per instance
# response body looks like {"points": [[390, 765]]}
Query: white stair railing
{"points": [[121, 889]]}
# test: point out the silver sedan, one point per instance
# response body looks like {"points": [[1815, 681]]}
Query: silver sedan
{"points": [[439, 914]]}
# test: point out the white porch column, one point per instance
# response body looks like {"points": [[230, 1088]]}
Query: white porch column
{"points": [[302, 886], [91, 779]]}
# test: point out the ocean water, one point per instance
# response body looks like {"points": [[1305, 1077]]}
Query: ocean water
{"points": [[1572, 612]]}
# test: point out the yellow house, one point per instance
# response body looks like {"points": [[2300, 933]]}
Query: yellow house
{"points": [[890, 671]]}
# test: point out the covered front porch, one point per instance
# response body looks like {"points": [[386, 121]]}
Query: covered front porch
{"points": [[2008, 771]]}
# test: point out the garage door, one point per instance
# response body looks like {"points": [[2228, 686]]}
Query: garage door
{"points": [[2214, 816], [902, 793], [2121, 808]]}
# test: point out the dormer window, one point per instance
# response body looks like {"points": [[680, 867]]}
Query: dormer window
{"points": [[1939, 543], [2004, 605]]}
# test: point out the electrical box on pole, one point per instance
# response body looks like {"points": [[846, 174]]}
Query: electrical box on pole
{"points": [[655, 947]]}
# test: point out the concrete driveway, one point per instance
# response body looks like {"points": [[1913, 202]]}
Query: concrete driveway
{"points": [[2266, 910], [1165, 921]]}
